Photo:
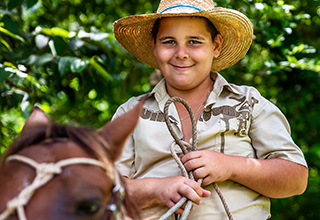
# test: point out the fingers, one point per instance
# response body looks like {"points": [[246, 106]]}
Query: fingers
{"points": [[208, 165], [192, 160], [190, 156], [180, 187], [197, 165], [181, 207], [180, 210], [171, 190], [193, 191], [200, 191], [205, 193], [177, 198], [173, 202], [200, 173]]}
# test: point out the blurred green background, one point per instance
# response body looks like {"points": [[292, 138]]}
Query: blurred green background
{"points": [[62, 55]]}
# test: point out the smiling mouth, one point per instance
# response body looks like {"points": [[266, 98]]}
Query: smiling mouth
{"points": [[182, 67]]}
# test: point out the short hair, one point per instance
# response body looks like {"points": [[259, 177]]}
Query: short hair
{"points": [[210, 27]]}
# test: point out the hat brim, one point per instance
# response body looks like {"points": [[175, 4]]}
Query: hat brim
{"points": [[133, 33]]}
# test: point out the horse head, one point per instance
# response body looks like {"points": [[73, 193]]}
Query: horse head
{"points": [[55, 171]]}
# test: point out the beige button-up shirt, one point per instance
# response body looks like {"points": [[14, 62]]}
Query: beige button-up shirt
{"points": [[236, 120]]}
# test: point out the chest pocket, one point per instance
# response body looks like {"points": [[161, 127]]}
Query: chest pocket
{"points": [[230, 119], [233, 119]]}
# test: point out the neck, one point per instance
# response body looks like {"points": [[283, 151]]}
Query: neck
{"points": [[196, 98], [194, 95]]}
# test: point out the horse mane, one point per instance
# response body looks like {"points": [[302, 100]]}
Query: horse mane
{"points": [[87, 138]]}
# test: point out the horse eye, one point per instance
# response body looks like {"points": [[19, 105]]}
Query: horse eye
{"points": [[87, 208]]}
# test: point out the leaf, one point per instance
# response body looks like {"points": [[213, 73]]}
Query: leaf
{"points": [[297, 49], [14, 3], [65, 65], [292, 59], [60, 32], [5, 44], [4, 74], [55, 31], [41, 41], [78, 65], [93, 36], [99, 36], [31, 3], [45, 58], [14, 99], [53, 48], [94, 61], [57, 46], [30, 60], [9, 33]]}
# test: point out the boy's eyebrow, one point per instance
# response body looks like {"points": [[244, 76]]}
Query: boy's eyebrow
{"points": [[189, 37], [165, 38], [196, 37]]}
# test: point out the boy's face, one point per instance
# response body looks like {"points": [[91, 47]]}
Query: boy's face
{"points": [[184, 50]]}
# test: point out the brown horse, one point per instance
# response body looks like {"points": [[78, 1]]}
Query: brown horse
{"points": [[62, 172]]}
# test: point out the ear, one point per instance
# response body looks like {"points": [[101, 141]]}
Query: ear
{"points": [[217, 44], [117, 131], [152, 44], [37, 117]]}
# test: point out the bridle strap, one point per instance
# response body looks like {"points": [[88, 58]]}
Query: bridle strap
{"points": [[44, 173]]}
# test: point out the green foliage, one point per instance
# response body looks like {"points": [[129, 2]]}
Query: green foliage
{"points": [[63, 56]]}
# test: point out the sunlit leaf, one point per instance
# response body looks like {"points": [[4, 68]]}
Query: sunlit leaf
{"points": [[60, 32], [65, 64], [74, 84], [45, 58], [94, 61], [9, 33], [92, 36], [30, 60], [78, 65], [57, 46], [55, 31], [5, 44], [41, 41]]}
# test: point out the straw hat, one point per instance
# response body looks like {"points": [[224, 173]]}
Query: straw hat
{"points": [[133, 32]]}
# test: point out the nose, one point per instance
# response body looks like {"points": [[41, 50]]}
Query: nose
{"points": [[182, 52]]}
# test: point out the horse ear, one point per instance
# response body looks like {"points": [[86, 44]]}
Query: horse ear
{"points": [[37, 117], [117, 131]]}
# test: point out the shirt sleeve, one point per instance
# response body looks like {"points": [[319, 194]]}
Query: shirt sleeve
{"points": [[271, 136], [125, 163]]}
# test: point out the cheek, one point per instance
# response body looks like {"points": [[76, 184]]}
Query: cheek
{"points": [[203, 56], [163, 55], [210, 54]]}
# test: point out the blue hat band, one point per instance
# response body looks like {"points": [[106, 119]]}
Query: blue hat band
{"points": [[181, 5]]}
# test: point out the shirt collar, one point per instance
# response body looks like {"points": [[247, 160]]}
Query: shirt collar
{"points": [[160, 92], [221, 83]]}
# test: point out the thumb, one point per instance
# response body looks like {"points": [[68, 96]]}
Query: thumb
{"points": [[205, 193]]}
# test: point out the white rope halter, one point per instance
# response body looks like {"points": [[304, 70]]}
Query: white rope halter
{"points": [[44, 173]]}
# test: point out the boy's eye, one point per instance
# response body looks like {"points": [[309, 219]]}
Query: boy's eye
{"points": [[195, 42], [168, 42]]}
